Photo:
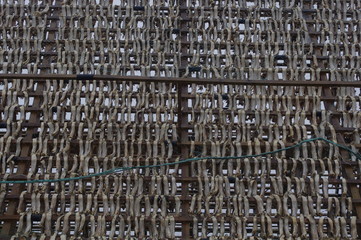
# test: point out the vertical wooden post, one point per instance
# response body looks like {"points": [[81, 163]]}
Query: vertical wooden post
{"points": [[183, 119]]}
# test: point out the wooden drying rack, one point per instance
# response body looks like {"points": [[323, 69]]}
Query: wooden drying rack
{"points": [[11, 218]]}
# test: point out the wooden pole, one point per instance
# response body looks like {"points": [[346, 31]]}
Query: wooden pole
{"points": [[183, 119]]}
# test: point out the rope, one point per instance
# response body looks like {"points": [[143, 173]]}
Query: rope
{"points": [[116, 170]]}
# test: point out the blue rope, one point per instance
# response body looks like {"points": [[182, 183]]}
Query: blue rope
{"points": [[115, 170]]}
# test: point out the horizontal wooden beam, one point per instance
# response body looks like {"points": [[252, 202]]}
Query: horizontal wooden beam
{"points": [[191, 126], [177, 80], [141, 159], [178, 218]]}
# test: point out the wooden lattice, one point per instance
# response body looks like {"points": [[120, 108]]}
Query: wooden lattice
{"points": [[88, 86]]}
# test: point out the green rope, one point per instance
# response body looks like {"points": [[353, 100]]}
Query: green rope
{"points": [[115, 170]]}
